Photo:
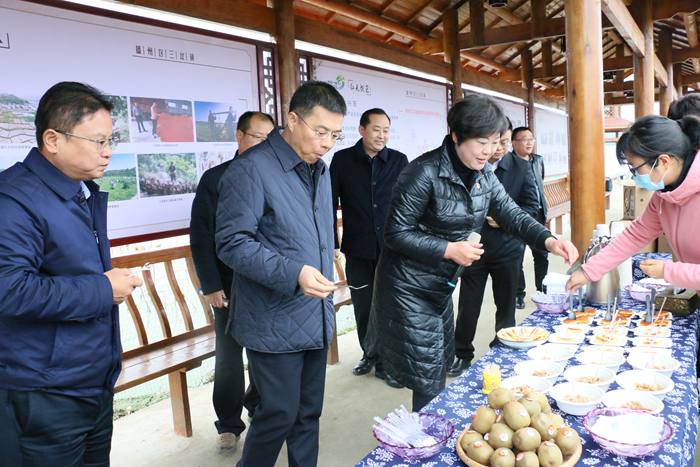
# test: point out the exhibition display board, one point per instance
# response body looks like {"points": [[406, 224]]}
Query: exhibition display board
{"points": [[552, 140]]}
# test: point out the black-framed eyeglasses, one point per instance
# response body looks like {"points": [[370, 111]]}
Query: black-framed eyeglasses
{"points": [[525, 140], [254, 136], [100, 144], [634, 170], [323, 133]]}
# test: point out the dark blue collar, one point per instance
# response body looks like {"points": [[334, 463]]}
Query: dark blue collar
{"points": [[360, 150], [284, 152], [61, 184]]}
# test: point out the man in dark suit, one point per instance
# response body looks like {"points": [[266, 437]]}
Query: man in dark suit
{"points": [[216, 279], [501, 259], [523, 145], [362, 178]]}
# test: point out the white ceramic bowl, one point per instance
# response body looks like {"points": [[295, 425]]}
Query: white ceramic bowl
{"points": [[566, 338], [633, 400], [584, 321], [607, 331], [599, 357], [552, 352], [572, 328], [664, 364], [608, 341], [518, 383], [526, 332], [653, 331], [540, 369], [576, 398], [661, 342], [650, 352], [590, 374], [646, 381]]}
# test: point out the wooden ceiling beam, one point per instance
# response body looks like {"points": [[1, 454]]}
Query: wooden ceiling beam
{"points": [[626, 26], [668, 8], [691, 29], [476, 21]]}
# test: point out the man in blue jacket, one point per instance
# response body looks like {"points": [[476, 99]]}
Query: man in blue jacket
{"points": [[60, 351], [274, 228]]}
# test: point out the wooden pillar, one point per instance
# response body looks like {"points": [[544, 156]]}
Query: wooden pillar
{"points": [[547, 57], [529, 85], [452, 55], [644, 66], [584, 70], [286, 53], [677, 79], [666, 92]]}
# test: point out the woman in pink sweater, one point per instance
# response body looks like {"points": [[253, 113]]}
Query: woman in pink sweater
{"points": [[661, 154]]}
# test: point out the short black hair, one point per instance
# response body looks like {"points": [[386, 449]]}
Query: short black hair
{"points": [[510, 125], [247, 117], [364, 119], [652, 135], [64, 106], [686, 105], [313, 93], [476, 116], [519, 129]]}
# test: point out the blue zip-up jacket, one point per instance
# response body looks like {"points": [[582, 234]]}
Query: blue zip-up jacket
{"points": [[59, 329]]}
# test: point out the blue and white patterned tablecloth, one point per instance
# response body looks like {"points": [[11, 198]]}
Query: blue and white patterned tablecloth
{"points": [[461, 398]]}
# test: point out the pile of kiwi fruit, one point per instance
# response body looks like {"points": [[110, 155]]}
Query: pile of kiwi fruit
{"points": [[512, 432]]}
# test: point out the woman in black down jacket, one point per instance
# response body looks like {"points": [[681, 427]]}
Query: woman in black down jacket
{"points": [[439, 199]]}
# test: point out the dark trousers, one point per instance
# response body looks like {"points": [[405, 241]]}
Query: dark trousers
{"points": [[229, 380], [421, 399], [504, 279], [291, 389], [360, 272], [541, 260], [38, 429]]}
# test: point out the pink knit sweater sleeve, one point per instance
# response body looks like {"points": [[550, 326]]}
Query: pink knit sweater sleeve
{"points": [[686, 275], [635, 237]]}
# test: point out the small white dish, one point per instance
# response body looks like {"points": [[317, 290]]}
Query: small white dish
{"points": [[576, 398], [552, 352], [646, 381], [652, 331], [660, 342], [572, 329], [664, 364], [600, 357], [519, 384], [608, 340], [542, 369], [566, 338], [590, 374], [636, 400]]}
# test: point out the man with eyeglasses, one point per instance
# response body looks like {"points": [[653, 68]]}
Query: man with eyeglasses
{"points": [[362, 177], [216, 279], [59, 295], [274, 229], [523, 142]]}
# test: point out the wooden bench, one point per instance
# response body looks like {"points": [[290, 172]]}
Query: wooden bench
{"points": [[168, 354], [558, 196], [173, 354]]}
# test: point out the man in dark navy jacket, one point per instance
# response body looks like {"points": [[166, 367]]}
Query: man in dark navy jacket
{"points": [[60, 350], [216, 279], [362, 178], [501, 258], [274, 228]]}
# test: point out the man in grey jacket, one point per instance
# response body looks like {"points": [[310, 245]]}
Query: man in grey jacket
{"points": [[275, 230]]}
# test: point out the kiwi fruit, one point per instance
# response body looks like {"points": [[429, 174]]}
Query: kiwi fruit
{"points": [[549, 455], [542, 399], [470, 436], [502, 457], [556, 420], [542, 422], [500, 436], [527, 459], [483, 419], [516, 415], [480, 451], [499, 397], [567, 440], [527, 439], [531, 404]]}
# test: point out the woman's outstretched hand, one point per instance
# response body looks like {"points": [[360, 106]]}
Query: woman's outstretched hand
{"points": [[577, 280]]}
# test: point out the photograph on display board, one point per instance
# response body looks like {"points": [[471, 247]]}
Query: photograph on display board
{"points": [[166, 174], [119, 179], [120, 118], [216, 121], [17, 119], [208, 159], [155, 120]]}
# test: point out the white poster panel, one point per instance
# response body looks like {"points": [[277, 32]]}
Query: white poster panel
{"points": [[177, 97], [418, 109], [514, 111], [551, 133]]}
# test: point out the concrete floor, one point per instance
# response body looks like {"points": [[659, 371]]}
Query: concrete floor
{"points": [[145, 438]]}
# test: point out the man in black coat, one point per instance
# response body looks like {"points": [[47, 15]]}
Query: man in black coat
{"points": [[216, 279], [523, 146], [501, 259], [362, 178]]}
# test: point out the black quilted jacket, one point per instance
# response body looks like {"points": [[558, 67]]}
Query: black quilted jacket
{"points": [[412, 315]]}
